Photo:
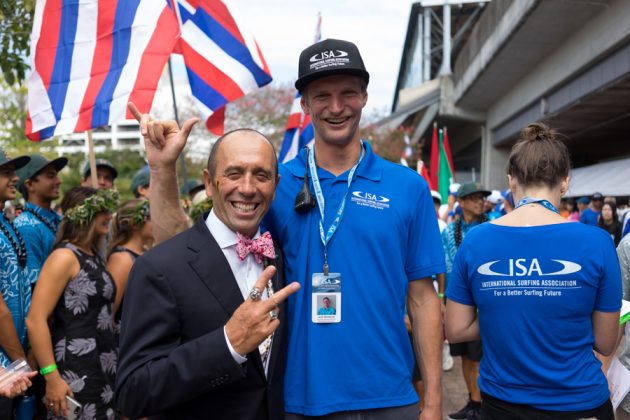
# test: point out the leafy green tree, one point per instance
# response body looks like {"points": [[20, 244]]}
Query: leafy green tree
{"points": [[16, 21]]}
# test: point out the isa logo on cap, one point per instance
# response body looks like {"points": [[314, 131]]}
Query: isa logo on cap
{"points": [[331, 58]]}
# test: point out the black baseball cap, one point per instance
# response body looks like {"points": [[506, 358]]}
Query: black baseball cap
{"points": [[597, 197], [18, 162], [327, 58]]}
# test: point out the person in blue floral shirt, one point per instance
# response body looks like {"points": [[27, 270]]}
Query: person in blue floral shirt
{"points": [[15, 292], [39, 184]]}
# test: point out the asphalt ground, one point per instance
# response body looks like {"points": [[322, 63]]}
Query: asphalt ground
{"points": [[454, 392]]}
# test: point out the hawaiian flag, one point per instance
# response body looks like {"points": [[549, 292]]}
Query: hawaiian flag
{"points": [[91, 57], [299, 132], [223, 61]]}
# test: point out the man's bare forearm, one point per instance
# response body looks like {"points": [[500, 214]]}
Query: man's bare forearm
{"points": [[9, 340], [424, 310], [167, 215]]}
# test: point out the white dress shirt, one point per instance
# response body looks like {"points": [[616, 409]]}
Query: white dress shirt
{"points": [[245, 272]]}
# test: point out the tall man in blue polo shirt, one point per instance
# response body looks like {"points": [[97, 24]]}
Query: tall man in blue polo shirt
{"points": [[373, 224], [39, 184], [356, 227]]}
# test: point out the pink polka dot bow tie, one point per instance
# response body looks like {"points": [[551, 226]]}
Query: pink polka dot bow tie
{"points": [[259, 248]]}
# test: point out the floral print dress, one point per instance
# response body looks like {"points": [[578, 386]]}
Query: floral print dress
{"points": [[83, 337]]}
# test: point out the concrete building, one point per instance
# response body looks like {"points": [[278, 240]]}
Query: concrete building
{"points": [[565, 62], [122, 136]]}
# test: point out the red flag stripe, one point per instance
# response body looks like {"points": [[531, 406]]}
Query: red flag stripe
{"points": [[100, 63], [216, 122], [151, 64], [435, 159], [219, 12], [210, 73], [48, 40], [449, 155]]}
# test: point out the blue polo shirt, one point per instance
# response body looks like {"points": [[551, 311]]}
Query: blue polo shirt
{"points": [[590, 216], [38, 236], [388, 237], [14, 286], [535, 298]]}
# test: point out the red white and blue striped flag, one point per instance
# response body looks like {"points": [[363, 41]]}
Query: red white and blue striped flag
{"points": [[91, 57], [299, 132], [222, 59]]}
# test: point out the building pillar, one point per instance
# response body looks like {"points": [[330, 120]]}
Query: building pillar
{"points": [[493, 162]]}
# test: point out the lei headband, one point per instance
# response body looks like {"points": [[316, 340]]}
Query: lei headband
{"points": [[136, 216], [103, 200], [141, 213]]}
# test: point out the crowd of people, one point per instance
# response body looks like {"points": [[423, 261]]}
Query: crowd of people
{"points": [[309, 289]]}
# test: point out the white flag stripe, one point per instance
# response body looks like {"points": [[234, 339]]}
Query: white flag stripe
{"points": [[142, 30], [203, 110], [39, 106], [187, 6], [250, 42], [293, 150], [208, 49], [81, 68]]}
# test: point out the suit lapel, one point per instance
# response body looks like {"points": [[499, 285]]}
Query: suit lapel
{"points": [[210, 265], [209, 262]]}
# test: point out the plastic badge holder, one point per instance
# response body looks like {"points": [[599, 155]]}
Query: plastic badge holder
{"points": [[12, 372]]}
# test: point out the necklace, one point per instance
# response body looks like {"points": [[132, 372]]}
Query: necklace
{"points": [[42, 219], [18, 248]]}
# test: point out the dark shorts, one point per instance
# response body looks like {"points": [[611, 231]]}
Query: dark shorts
{"points": [[470, 349], [406, 412], [496, 409]]}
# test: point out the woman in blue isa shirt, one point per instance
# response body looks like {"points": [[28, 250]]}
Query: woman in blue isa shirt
{"points": [[542, 293]]}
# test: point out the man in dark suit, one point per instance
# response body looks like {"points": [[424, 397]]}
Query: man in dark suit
{"points": [[200, 334]]}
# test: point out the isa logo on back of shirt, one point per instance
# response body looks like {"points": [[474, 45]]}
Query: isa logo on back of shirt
{"points": [[529, 277]]}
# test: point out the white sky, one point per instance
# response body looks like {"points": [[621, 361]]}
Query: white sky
{"points": [[283, 28]]}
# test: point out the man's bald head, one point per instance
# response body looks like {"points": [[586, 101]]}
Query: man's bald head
{"points": [[244, 134]]}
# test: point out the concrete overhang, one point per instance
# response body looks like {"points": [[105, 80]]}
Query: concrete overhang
{"points": [[413, 101], [509, 41]]}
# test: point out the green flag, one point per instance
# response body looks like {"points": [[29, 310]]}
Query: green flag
{"points": [[446, 175]]}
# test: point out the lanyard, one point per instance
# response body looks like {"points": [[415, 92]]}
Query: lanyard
{"points": [[319, 196], [545, 203]]}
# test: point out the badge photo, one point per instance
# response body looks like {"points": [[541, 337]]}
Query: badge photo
{"points": [[326, 298]]}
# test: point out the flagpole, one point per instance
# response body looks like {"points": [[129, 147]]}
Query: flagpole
{"points": [[92, 159], [182, 160]]}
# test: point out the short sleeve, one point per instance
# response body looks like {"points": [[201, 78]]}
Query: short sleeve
{"points": [[609, 291], [425, 255], [458, 288]]}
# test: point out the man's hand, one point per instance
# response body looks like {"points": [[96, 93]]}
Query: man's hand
{"points": [[18, 386], [251, 323], [163, 140]]}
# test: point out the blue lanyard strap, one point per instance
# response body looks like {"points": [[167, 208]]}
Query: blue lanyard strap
{"points": [[545, 203], [319, 196]]}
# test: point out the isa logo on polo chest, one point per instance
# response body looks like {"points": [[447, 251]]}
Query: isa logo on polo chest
{"points": [[367, 199]]}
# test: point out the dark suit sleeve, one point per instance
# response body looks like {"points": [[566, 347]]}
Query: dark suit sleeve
{"points": [[158, 371]]}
